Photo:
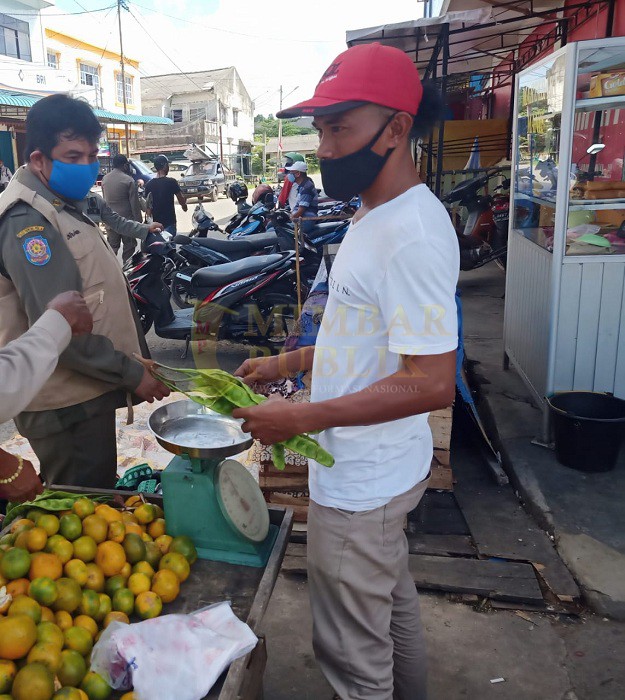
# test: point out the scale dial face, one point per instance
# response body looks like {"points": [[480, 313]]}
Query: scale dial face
{"points": [[241, 501]]}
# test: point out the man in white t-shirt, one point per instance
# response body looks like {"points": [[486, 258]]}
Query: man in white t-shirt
{"points": [[385, 356]]}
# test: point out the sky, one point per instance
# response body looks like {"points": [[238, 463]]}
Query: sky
{"points": [[288, 42]]}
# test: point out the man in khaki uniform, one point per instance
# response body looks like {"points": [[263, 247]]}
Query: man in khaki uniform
{"points": [[49, 245], [120, 192]]}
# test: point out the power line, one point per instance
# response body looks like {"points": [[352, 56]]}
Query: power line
{"points": [[61, 14]]}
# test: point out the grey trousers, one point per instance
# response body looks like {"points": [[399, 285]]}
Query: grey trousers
{"points": [[85, 454], [367, 633], [115, 240]]}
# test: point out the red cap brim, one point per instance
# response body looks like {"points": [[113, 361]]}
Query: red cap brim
{"points": [[318, 106]]}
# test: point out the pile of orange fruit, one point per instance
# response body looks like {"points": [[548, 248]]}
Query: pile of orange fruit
{"points": [[65, 577]]}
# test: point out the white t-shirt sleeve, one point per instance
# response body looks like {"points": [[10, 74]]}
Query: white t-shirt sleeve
{"points": [[417, 300]]}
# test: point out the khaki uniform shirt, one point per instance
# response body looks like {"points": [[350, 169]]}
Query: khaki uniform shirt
{"points": [[37, 263], [120, 193]]}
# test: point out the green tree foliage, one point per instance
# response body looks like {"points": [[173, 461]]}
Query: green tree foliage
{"points": [[269, 127]]}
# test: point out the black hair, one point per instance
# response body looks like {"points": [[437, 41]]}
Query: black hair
{"points": [[57, 115], [120, 160], [430, 111]]}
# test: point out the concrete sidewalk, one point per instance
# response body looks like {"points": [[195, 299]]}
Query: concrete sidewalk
{"points": [[583, 511]]}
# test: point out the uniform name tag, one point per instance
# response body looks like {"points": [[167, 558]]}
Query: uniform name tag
{"points": [[30, 229]]}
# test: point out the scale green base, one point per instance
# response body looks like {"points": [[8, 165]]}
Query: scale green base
{"points": [[192, 507]]}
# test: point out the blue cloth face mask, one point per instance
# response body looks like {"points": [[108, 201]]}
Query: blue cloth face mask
{"points": [[290, 177], [72, 180]]}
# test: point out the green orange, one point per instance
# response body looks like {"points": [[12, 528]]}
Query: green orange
{"points": [[72, 669], [71, 527], [96, 687], [15, 563], [79, 639], [184, 545], [148, 605], [123, 601], [43, 590]]}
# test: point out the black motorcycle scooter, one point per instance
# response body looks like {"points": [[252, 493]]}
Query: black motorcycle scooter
{"points": [[252, 301]]}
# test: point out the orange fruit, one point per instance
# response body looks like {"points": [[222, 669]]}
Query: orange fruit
{"points": [[85, 548], [83, 507], [21, 525], [36, 539], [115, 615], [7, 673], [128, 517], [49, 633], [50, 523], [43, 590], [135, 528], [18, 634], [142, 567], [117, 531], [96, 687], [33, 682], [133, 501], [114, 583], [138, 583], [105, 607], [73, 668], [95, 526], [164, 543], [146, 538], [79, 639], [90, 603], [47, 654], [71, 527], [88, 623], [76, 569], [45, 564], [21, 540], [123, 601], [110, 557], [126, 570], [184, 545], [15, 563], [63, 620], [166, 584], [145, 513], [23, 605], [158, 511], [134, 547], [70, 595], [148, 605], [68, 694], [152, 554], [19, 586], [57, 544], [95, 578], [46, 614], [109, 514], [177, 563], [128, 696], [156, 528]]}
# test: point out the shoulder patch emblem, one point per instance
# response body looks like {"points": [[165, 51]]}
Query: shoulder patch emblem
{"points": [[29, 229], [37, 250]]}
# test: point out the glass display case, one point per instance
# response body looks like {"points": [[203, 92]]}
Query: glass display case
{"points": [[566, 251]]}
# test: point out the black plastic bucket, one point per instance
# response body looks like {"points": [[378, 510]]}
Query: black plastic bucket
{"points": [[588, 428]]}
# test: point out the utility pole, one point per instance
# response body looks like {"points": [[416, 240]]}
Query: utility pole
{"points": [[279, 147], [120, 4]]}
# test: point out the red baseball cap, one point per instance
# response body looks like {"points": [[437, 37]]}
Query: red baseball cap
{"points": [[369, 73]]}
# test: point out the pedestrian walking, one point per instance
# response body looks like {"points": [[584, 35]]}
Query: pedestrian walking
{"points": [[5, 176], [119, 191], [48, 245], [384, 357], [160, 192]]}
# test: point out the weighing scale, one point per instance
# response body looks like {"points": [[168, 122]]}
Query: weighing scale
{"points": [[213, 500]]}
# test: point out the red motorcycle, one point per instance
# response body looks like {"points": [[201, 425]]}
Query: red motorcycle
{"points": [[484, 236]]}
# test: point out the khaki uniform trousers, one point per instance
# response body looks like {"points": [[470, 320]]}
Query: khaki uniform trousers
{"points": [[367, 633]]}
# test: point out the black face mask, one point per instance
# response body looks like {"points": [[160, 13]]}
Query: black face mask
{"points": [[345, 177]]}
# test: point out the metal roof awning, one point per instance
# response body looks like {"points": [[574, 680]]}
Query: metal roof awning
{"points": [[24, 101]]}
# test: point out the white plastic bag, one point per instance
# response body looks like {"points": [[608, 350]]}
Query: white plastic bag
{"points": [[173, 656]]}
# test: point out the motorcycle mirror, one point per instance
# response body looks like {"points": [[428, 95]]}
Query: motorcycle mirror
{"points": [[595, 148]]}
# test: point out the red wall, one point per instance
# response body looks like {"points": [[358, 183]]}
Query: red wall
{"points": [[594, 28]]}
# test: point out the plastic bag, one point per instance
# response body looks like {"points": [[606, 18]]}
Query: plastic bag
{"points": [[173, 656]]}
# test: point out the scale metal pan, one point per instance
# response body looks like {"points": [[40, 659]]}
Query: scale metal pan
{"points": [[185, 427]]}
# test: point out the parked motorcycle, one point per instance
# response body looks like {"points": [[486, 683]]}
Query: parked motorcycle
{"points": [[203, 222], [249, 301], [484, 237]]}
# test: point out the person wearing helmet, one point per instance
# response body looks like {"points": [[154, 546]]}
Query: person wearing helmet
{"points": [[385, 356], [307, 200], [160, 192], [264, 194]]}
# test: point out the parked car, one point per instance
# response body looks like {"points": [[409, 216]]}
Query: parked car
{"points": [[206, 177], [177, 168], [140, 170]]}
